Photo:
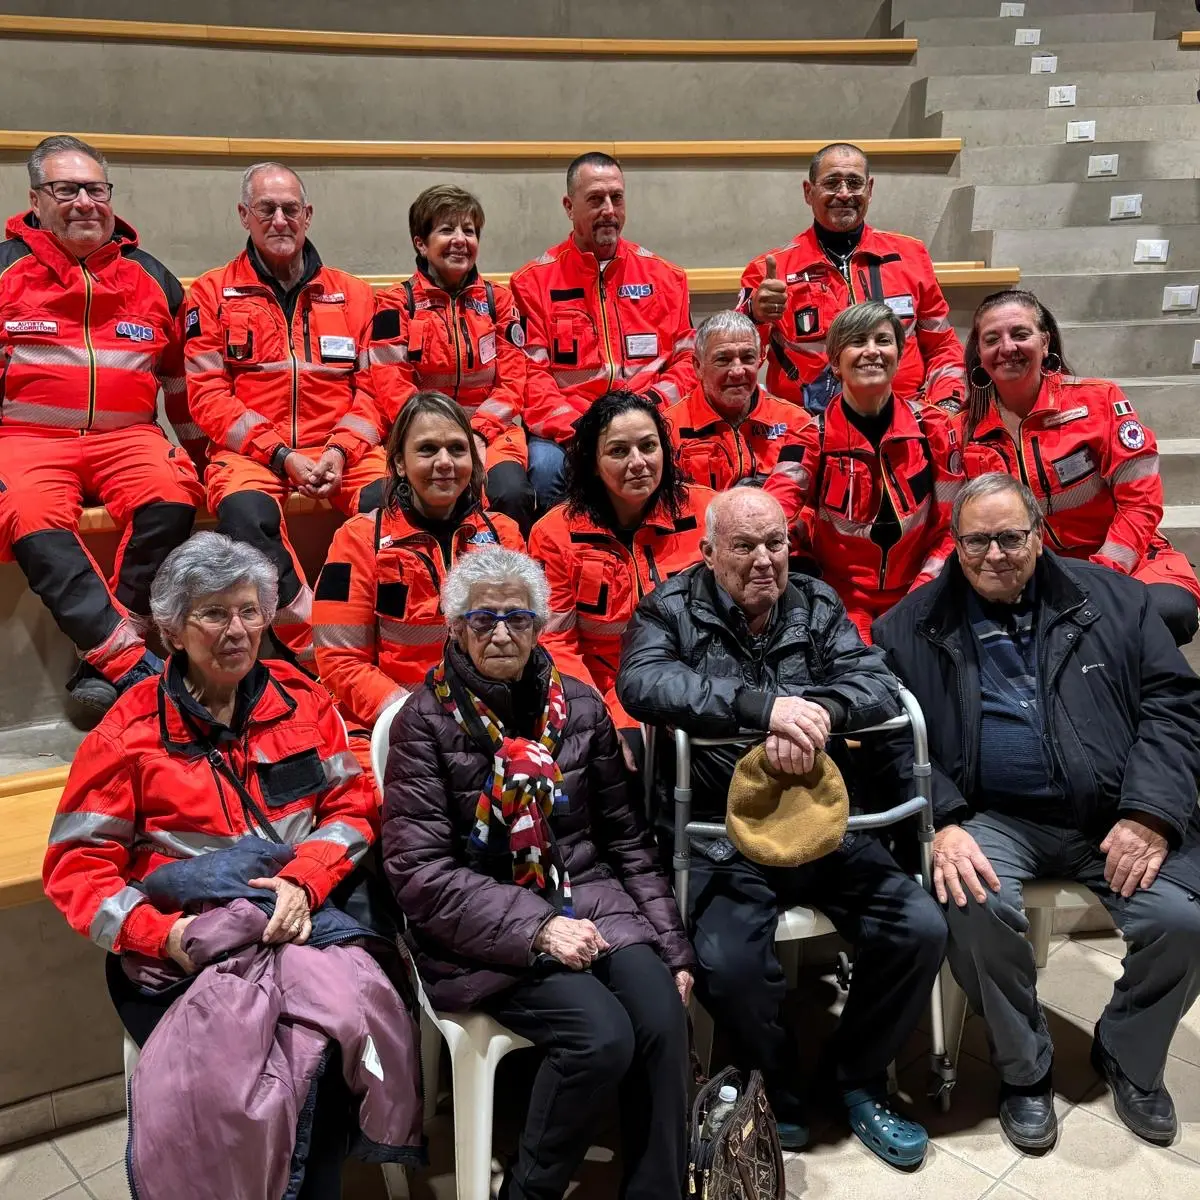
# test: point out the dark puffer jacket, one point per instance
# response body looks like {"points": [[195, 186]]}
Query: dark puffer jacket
{"points": [[473, 931]]}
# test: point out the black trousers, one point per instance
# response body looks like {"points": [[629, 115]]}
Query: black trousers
{"points": [[618, 1028], [1177, 607], [898, 932], [141, 1011]]}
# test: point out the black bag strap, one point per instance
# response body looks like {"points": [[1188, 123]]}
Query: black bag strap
{"points": [[410, 302], [491, 299]]}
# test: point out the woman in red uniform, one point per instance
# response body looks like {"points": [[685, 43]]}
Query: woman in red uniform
{"points": [[869, 485], [1079, 446], [377, 618], [449, 330], [628, 522]]}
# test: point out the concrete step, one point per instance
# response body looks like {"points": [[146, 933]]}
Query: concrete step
{"points": [[1093, 89], [721, 215], [1036, 11], [1072, 57], [1108, 349], [1092, 249], [1117, 296], [153, 89], [1022, 127], [1179, 463], [997, 31], [527, 18], [1063, 205], [1176, 158], [1169, 404]]}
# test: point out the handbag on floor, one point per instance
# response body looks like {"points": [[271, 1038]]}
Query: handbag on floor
{"points": [[742, 1160]]}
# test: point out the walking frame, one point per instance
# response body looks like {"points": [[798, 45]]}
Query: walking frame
{"points": [[942, 1070]]}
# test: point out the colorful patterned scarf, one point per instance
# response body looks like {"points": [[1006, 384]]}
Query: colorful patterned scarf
{"points": [[525, 787]]}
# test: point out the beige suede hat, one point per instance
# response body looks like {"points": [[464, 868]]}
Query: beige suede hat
{"points": [[786, 820]]}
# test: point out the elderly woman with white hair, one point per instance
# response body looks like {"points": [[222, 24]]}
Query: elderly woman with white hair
{"points": [[728, 430], [532, 887], [218, 747]]}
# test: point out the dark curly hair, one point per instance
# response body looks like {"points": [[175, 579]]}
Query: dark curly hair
{"points": [[586, 494], [981, 397]]}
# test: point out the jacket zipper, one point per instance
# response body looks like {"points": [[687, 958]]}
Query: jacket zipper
{"points": [[608, 355], [295, 370], [87, 341], [452, 321]]}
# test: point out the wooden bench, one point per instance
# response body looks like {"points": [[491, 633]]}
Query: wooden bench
{"points": [[1189, 39], [81, 29], [27, 806], [708, 281], [144, 145], [97, 520]]}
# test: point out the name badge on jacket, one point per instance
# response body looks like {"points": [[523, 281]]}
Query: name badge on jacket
{"points": [[641, 345], [335, 348], [902, 306]]}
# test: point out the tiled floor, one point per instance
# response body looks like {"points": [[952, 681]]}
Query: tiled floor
{"points": [[1096, 1157]]}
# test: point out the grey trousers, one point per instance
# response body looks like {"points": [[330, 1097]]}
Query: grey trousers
{"points": [[994, 964]]}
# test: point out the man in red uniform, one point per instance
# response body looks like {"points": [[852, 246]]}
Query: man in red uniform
{"points": [[795, 291], [276, 350], [92, 329], [728, 429], [600, 313]]}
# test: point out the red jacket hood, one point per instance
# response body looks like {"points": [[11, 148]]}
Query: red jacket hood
{"points": [[48, 250]]}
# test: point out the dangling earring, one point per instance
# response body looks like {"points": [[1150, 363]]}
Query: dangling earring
{"points": [[1047, 369], [981, 393], [402, 491]]}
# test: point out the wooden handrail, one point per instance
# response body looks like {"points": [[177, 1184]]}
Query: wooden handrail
{"points": [[139, 145], [1189, 39], [718, 280], [421, 43], [27, 806]]}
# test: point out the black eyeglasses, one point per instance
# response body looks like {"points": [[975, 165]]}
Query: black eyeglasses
{"points": [[1009, 541], [482, 621], [264, 210], [67, 190]]}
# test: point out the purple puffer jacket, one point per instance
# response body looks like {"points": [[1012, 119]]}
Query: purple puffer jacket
{"points": [[473, 934], [222, 1093]]}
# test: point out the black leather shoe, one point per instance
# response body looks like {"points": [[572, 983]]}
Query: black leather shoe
{"points": [[1151, 1115], [1028, 1120], [90, 690]]}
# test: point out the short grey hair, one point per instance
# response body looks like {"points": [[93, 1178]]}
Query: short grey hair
{"points": [[494, 565], [723, 324], [721, 501], [249, 173], [996, 483], [857, 321], [205, 564], [814, 164], [60, 143]]}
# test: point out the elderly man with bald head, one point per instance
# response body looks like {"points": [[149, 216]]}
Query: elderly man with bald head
{"points": [[729, 646], [276, 344]]}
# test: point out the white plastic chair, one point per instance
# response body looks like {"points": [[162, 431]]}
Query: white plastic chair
{"points": [[477, 1044], [394, 1177]]}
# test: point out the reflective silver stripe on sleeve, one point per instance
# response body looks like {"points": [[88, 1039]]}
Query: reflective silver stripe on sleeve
{"points": [[341, 834], [295, 827], [205, 360], [78, 356], [387, 354], [1078, 494], [360, 426], [184, 844], [667, 390], [90, 828], [947, 490], [1142, 467], [932, 565], [1119, 554], [111, 914], [172, 385], [187, 432], [238, 433], [340, 768], [538, 354], [560, 622], [934, 324], [343, 637], [411, 633]]}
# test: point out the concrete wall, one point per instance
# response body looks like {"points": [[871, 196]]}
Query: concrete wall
{"points": [[155, 89], [532, 18]]}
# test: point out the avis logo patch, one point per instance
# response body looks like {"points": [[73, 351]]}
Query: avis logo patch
{"points": [[776, 431], [138, 333], [485, 537], [479, 306], [1131, 435], [635, 291], [30, 326]]}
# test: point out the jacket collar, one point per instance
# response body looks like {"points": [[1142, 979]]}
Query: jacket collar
{"points": [[710, 604], [1057, 594], [841, 434], [255, 270], [570, 252], [872, 244], [504, 697], [658, 518], [396, 520], [702, 414], [424, 282], [186, 726], [1048, 404], [51, 253]]}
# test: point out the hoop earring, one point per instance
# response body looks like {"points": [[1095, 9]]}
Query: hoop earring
{"points": [[1054, 370], [987, 379], [402, 491]]}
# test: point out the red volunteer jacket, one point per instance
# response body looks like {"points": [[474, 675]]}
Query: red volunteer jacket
{"points": [[831, 484], [257, 384], [588, 331], [716, 454], [142, 793], [884, 266], [87, 344], [378, 624], [466, 346], [1091, 463], [596, 583]]}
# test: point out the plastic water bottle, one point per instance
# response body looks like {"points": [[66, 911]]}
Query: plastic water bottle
{"points": [[721, 1111]]}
